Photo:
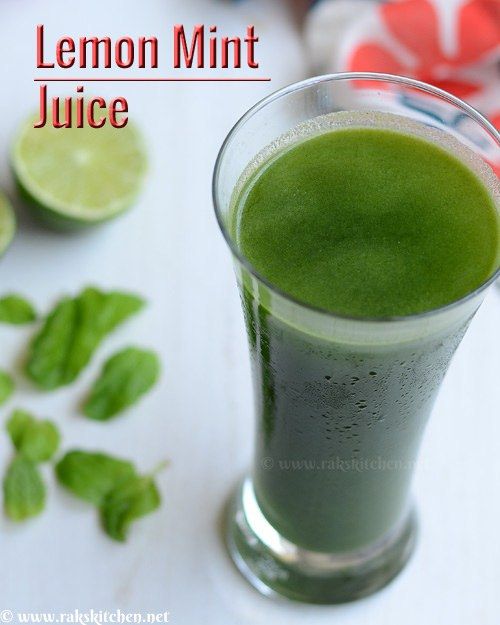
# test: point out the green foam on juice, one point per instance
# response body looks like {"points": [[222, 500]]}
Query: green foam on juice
{"points": [[368, 222]]}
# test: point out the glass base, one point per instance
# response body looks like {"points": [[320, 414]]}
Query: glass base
{"points": [[276, 567]]}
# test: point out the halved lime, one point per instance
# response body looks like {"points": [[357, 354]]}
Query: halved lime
{"points": [[79, 176], [7, 223]]}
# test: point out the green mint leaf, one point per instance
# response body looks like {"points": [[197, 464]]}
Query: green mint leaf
{"points": [[35, 439], [127, 502], [6, 386], [16, 310], [73, 331], [125, 377], [24, 491], [16, 426], [91, 476]]}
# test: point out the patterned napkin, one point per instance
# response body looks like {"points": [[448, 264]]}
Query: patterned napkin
{"points": [[453, 44]]}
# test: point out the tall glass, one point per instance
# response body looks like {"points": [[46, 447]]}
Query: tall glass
{"points": [[341, 403]]}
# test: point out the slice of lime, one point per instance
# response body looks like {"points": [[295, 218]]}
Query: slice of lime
{"points": [[7, 223], [79, 176]]}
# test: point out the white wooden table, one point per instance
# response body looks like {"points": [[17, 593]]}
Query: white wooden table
{"points": [[169, 249]]}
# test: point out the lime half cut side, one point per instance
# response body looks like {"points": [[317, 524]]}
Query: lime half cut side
{"points": [[7, 223], [79, 176]]}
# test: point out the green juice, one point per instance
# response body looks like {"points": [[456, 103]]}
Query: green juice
{"points": [[369, 223], [364, 223]]}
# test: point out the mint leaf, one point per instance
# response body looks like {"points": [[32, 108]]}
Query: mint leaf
{"points": [[130, 500], [91, 476], [111, 484], [73, 331], [24, 491], [6, 387], [18, 423], [35, 439], [125, 377], [16, 310]]}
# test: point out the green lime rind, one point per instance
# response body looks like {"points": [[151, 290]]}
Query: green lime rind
{"points": [[7, 223], [53, 219], [77, 177]]}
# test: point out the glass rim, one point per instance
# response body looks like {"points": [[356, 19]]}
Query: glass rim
{"points": [[304, 84]]}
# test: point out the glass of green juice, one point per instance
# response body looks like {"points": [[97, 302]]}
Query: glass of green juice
{"points": [[362, 213]]}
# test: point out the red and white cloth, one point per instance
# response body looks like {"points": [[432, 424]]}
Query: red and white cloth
{"points": [[453, 44]]}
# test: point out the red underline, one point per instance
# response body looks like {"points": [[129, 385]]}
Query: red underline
{"points": [[181, 79]]}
